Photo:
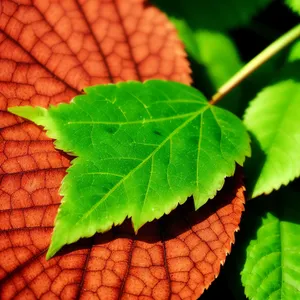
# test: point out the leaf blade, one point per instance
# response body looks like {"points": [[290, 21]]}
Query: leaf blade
{"points": [[87, 264], [270, 269], [294, 5], [273, 119], [155, 183]]}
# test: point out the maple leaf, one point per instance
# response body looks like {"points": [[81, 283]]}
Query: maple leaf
{"points": [[50, 51], [142, 148]]}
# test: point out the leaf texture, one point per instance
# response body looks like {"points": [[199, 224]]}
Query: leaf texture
{"points": [[50, 51], [177, 256], [271, 269], [273, 119], [142, 149]]}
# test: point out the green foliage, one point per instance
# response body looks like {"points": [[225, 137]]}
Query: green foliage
{"points": [[216, 53], [271, 269], [142, 150], [273, 119], [294, 54], [214, 14], [213, 49], [294, 5]]}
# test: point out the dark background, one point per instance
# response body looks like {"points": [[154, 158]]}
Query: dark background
{"points": [[266, 27]]}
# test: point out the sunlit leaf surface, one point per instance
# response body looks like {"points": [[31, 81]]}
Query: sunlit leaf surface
{"points": [[142, 150]]}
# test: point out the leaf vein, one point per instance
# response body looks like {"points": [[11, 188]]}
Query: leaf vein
{"points": [[139, 165], [144, 121]]}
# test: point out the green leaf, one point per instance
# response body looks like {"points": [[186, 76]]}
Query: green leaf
{"points": [[217, 60], [219, 54], [294, 5], [273, 120], [261, 78], [271, 269], [294, 53], [142, 150], [214, 14], [213, 49]]}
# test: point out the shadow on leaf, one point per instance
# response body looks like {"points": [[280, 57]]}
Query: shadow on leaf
{"points": [[179, 254], [253, 165]]}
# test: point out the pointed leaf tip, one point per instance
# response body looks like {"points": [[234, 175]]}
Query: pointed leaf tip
{"points": [[34, 114]]}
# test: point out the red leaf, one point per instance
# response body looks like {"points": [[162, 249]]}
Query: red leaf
{"points": [[179, 255], [49, 51]]}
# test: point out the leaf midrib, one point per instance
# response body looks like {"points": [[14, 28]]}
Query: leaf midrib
{"points": [[281, 256], [194, 115], [143, 121]]}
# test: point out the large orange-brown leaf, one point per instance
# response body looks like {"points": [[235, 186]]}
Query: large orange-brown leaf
{"points": [[49, 51], [178, 256]]}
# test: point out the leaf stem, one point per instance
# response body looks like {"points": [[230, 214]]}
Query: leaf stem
{"points": [[256, 62]]}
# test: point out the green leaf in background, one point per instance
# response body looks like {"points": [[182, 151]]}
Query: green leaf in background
{"points": [[214, 14], [213, 49], [142, 149], [215, 59], [260, 79], [273, 120], [294, 5], [294, 53], [217, 54], [271, 269]]}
